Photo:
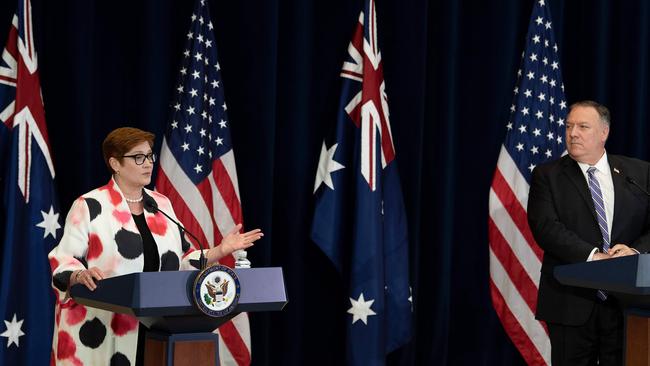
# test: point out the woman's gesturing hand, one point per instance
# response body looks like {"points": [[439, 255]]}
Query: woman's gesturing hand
{"points": [[233, 241]]}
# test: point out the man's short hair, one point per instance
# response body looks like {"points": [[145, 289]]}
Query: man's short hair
{"points": [[602, 111]]}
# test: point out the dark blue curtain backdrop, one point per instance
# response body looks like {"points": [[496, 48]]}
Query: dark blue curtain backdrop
{"points": [[450, 69]]}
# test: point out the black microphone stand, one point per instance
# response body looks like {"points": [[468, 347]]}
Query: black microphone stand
{"points": [[203, 261]]}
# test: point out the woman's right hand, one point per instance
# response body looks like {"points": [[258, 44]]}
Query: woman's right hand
{"points": [[87, 277]]}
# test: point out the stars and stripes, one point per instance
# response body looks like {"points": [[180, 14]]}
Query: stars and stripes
{"points": [[30, 226], [359, 220], [197, 164], [535, 134]]}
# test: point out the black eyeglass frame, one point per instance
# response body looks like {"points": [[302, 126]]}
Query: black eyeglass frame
{"points": [[151, 157]]}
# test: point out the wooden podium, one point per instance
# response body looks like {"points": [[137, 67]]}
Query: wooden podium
{"points": [[179, 333], [627, 279]]}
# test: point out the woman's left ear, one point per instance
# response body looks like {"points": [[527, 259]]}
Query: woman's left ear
{"points": [[114, 163]]}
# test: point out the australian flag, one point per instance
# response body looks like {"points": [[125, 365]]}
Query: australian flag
{"points": [[359, 219], [30, 216]]}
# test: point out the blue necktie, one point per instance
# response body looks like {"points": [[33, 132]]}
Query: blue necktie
{"points": [[597, 197]]}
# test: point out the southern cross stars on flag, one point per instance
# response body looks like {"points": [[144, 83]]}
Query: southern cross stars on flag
{"points": [[359, 220], [30, 209], [197, 163], [535, 134]]}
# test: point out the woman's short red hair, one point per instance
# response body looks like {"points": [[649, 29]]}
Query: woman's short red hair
{"points": [[121, 140]]}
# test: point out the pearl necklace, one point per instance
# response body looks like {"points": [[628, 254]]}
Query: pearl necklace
{"points": [[135, 200]]}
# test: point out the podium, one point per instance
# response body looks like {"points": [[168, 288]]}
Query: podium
{"points": [[627, 279], [179, 333]]}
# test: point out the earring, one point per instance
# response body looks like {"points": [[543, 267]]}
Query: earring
{"points": [[117, 172]]}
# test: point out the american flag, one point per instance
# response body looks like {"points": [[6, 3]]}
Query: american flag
{"points": [[535, 134], [30, 211], [359, 220], [197, 163]]}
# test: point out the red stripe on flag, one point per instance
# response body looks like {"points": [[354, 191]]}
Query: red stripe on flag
{"points": [[183, 212], [515, 210], [12, 44], [228, 260], [519, 277], [386, 140], [227, 190], [353, 74], [517, 334], [205, 190], [8, 79], [235, 343]]}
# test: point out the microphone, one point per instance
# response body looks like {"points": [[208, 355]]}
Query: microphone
{"points": [[151, 205], [633, 182]]}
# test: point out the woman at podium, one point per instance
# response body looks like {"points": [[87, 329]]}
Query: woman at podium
{"points": [[110, 231]]}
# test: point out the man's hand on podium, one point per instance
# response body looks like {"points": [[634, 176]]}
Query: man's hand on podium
{"points": [[599, 255], [622, 250]]}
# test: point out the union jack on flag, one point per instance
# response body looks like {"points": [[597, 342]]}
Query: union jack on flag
{"points": [[29, 221], [535, 134], [359, 220], [197, 163]]}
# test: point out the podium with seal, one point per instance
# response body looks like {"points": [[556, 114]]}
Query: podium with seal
{"points": [[182, 308]]}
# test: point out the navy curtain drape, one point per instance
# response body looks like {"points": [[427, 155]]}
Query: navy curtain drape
{"points": [[450, 68]]}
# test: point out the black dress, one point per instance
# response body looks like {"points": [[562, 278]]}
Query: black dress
{"points": [[151, 264]]}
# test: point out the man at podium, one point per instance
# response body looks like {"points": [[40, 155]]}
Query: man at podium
{"points": [[587, 205], [110, 232]]}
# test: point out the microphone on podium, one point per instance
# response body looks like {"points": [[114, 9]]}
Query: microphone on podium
{"points": [[633, 182]]}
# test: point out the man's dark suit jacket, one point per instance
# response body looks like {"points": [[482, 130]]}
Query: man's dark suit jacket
{"points": [[563, 221]]}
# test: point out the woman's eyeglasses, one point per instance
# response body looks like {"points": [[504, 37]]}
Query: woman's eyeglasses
{"points": [[139, 158]]}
